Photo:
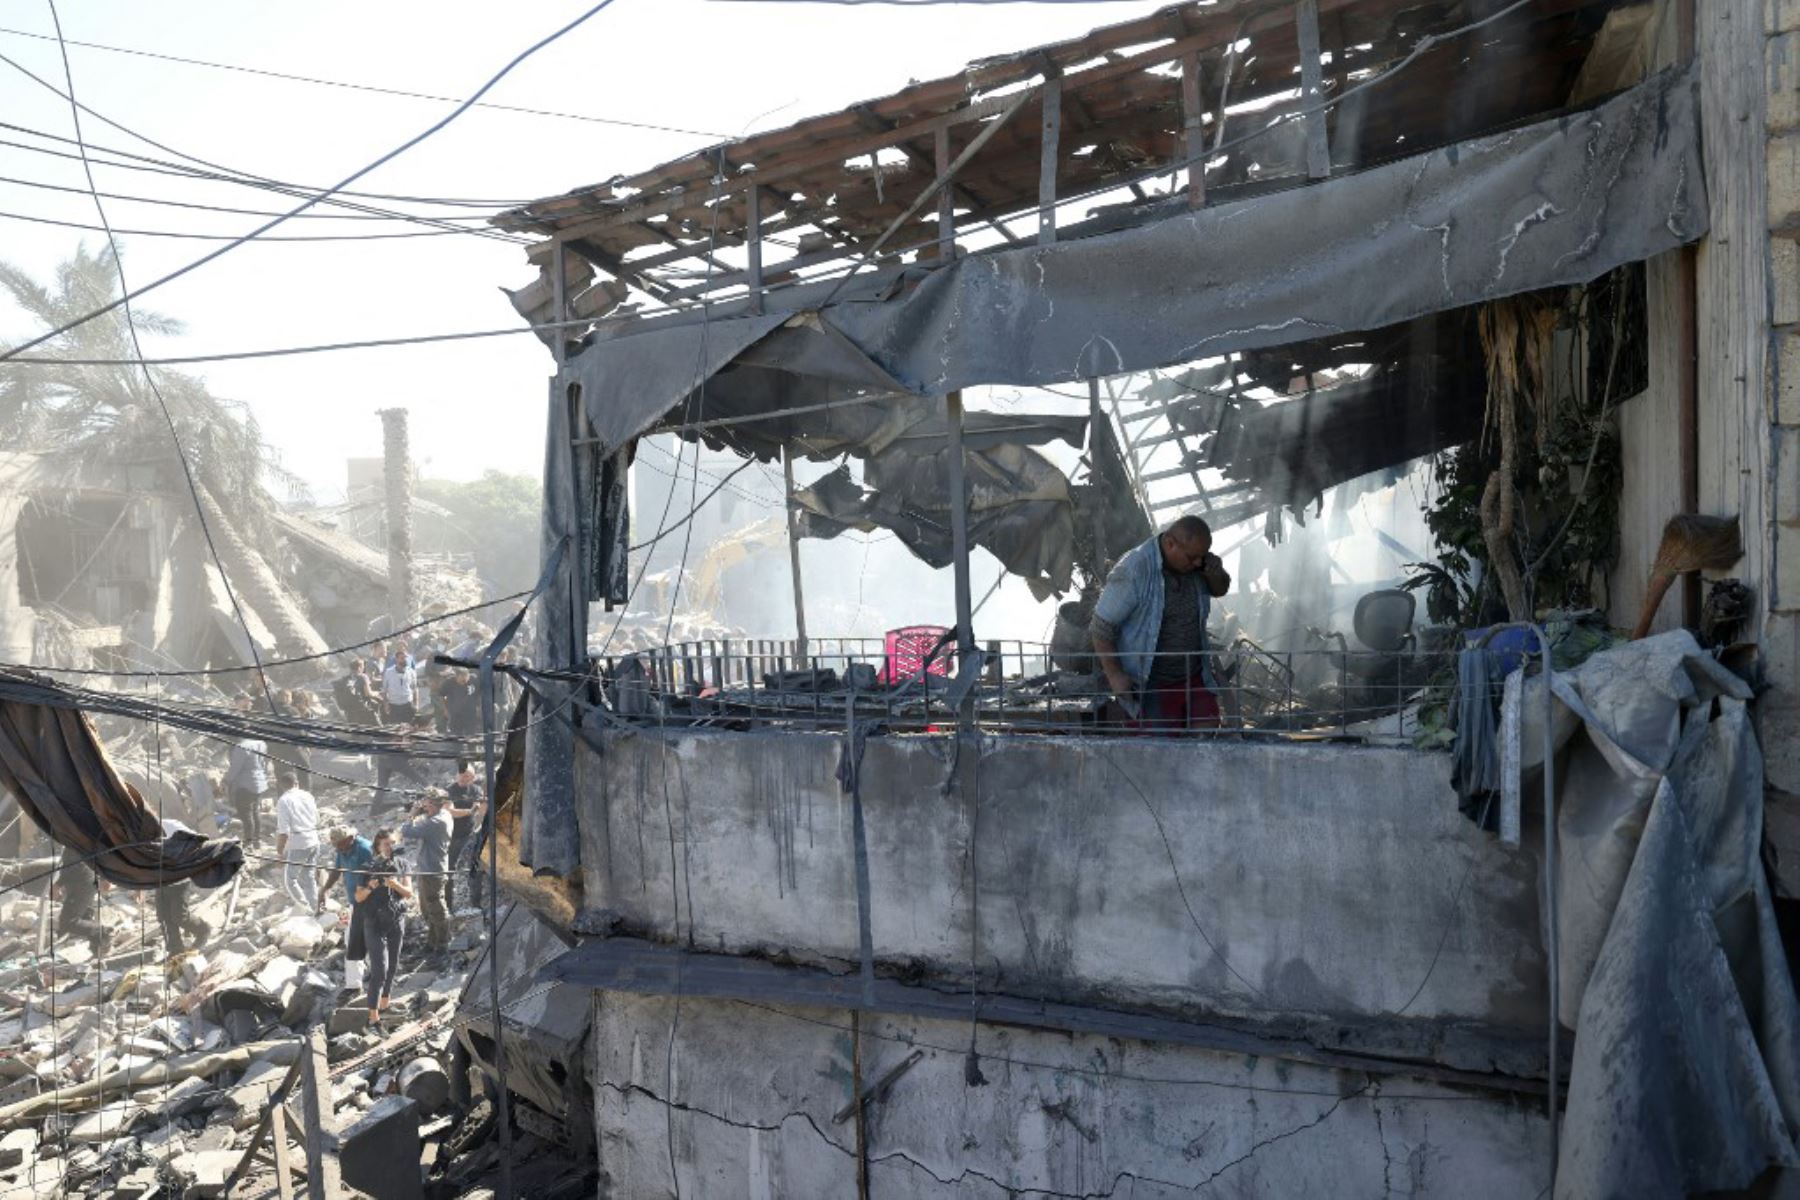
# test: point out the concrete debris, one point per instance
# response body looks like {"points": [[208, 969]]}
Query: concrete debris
{"points": [[380, 1151], [129, 1072], [347, 1020]]}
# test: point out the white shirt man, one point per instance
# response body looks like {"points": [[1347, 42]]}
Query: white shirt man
{"points": [[297, 841], [399, 683]]}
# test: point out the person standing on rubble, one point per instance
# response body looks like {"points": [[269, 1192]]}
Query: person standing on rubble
{"points": [[466, 805], [175, 905], [1149, 629], [297, 840], [379, 896], [247, 778], [352, 854], [355, 695], [431, 829], [79, 887], [400, 689], [460, 697]]}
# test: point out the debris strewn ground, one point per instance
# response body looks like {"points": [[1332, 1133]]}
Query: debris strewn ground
{"points": [[134, 1074]]}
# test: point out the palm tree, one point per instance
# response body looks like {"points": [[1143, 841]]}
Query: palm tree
{"points": [[93, 421], [89, 414]]}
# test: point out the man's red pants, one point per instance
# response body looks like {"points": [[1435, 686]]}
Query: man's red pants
{"points": [[1179, 707]]}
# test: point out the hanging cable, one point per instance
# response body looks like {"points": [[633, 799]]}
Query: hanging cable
{"points": [[372, 88], [187, 469], [127, 161], [204, 259], [218, 208], [228, 173], [226, 237]]}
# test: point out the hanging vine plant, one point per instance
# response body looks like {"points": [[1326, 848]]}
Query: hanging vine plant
{"points": [[1526, 516]]}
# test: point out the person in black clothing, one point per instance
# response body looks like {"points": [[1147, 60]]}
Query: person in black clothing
{"points": [[80, 889], [379, 901], [355, 695], [388, 770], [462, 704], [467, 803]]}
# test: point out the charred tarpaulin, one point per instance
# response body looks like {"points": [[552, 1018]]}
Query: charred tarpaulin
{"points": [[1318, 189]]}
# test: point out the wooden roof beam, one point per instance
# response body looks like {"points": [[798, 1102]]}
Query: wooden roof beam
{"points": [[875, 123]]}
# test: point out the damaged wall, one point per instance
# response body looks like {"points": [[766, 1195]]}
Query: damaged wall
{"points": [[1333, 890], [757, 1088]]}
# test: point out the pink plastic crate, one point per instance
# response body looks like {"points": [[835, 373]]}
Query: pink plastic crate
{"points": [[907, 648]]}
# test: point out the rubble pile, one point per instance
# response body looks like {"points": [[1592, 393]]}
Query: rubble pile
{"points": [[125, 1073]]}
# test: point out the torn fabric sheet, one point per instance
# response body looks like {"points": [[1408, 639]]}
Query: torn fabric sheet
{"points": [[1559, 202], [53, 764], [1686, 1073]]}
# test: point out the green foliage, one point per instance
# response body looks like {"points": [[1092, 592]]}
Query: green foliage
{"points": [[497, 516], [1566, 482]]}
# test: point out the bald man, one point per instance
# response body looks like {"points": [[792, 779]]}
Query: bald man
{"points": [[1149, 629]]}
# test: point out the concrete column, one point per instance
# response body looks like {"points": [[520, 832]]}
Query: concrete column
{"points": [[397, 476], [17, 620]]}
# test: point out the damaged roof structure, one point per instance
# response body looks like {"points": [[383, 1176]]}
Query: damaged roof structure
{"points": [[977, 957]]}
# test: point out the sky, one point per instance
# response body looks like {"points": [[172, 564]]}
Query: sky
{"points": [[714, 66]]}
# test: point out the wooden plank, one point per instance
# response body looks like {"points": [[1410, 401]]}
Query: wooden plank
{"points": [[1312, 88], [946, 244], [1193, 127], [824, 140], [278, 1140], [793, 528], [753, 231], [876, 123], [559, 291], [264, 1125], [1050, 131], [323, 1180]]}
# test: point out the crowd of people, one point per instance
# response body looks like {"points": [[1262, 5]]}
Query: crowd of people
{"points": [[427, 825]]}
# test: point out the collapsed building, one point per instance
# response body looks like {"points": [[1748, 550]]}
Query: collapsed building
{"points": [[106, 563], [905, 918]]}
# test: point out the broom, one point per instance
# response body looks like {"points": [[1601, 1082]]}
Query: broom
{"points": [[1690, 542]]}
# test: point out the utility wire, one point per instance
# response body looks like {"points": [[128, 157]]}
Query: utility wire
{"points": [[372, 88], [1424, 44], [308, 203], [272, 663], [693, 508], [176, 170], [258, 180], [226, 237], [218, 208], [300, 189], [124, 302]]}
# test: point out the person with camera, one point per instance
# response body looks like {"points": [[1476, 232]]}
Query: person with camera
{"points": [[379, 900], [431, 830]]}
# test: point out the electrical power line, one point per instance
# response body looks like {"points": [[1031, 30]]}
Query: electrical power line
{"points": [[366, 87], [264, 228], [124, 302], [26, 71], [231, 172], [226, 237], [144, 163], [271, 664], [163, 202]]}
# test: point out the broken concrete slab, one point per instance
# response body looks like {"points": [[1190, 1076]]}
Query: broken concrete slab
{"points": [[137, 1185], [106, 1124], [17, 1147], [187, 1096], [347, 1020], [379, 1153], [206, 1171]]}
